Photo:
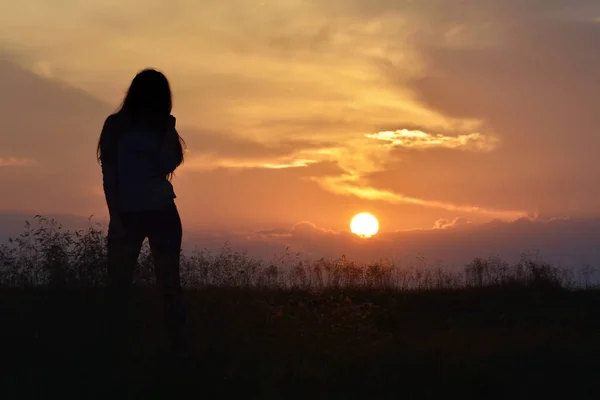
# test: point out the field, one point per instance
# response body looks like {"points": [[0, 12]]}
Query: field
{"points": [[341, 331]]}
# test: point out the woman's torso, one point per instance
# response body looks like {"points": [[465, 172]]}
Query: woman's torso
{"points": [[142, 179]]}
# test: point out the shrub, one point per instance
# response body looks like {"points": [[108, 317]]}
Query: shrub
{"points": [[50, 255]]}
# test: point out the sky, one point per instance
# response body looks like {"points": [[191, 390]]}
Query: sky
{"points": [[438, 117]]}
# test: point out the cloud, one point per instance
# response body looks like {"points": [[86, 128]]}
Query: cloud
{"points": [[456, 222], [355, 159], [229, 153], [16, 162], [207, 163], [43, 69], [307, 229], [413, 139], [525, 71], [347, 185], [293, 61], [45, 122]]}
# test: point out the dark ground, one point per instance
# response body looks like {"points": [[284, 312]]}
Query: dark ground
{"points": [[487, 343]]}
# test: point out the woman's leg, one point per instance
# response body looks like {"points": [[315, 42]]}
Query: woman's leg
{"points": [[124, 245], [164, 236]]}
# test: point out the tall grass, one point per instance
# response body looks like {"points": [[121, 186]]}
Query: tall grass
{"points": [[47, 254]]}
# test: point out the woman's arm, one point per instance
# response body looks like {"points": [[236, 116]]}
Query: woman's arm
{"points": [[108, 160], [169, 155]]}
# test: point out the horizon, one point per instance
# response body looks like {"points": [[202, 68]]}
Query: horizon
{"points": [[451, 247]]}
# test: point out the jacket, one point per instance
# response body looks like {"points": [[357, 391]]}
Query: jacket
{"points": [[136, 161]]}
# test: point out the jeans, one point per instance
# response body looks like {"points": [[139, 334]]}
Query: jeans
{"points": [[164, 232]]}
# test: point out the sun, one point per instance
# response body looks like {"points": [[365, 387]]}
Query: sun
{"points": [[364, 225]]}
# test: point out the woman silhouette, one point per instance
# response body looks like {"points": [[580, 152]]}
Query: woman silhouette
{"points": [[139, 149]]}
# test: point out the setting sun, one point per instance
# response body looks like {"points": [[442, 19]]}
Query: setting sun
{"points": [[364, 225]]}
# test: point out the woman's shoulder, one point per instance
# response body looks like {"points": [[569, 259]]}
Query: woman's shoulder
{"points": [[121, 126], [114, 120], [113, 125]]}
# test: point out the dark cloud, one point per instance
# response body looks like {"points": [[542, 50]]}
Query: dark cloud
{"points": [[543, 77], [484, 11], [564, 242], [55, 126], [447, 224]]}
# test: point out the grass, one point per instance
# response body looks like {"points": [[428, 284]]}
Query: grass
{"points": [[300, 344], [291, 329]]}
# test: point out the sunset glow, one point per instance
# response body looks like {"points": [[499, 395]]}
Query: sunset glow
{"points": [[298, 115]]}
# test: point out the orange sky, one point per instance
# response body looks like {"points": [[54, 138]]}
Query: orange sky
{"points": [[306, 110]]}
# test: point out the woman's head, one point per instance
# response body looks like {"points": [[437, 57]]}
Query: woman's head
{"points": [[149, 102], [148, 97]]}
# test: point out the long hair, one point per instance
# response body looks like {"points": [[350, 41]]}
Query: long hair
{"points": [[148, 102]]}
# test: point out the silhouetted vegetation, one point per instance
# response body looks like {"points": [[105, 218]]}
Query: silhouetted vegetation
{"points": [[49, 255], [288, 328]]}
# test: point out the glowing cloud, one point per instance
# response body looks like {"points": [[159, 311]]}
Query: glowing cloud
{"points": [[208, 163], [16, 162], [421, 140], [347, 185]]}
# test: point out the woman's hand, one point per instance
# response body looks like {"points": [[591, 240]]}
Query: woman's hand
{"points": [[168, 154]]}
